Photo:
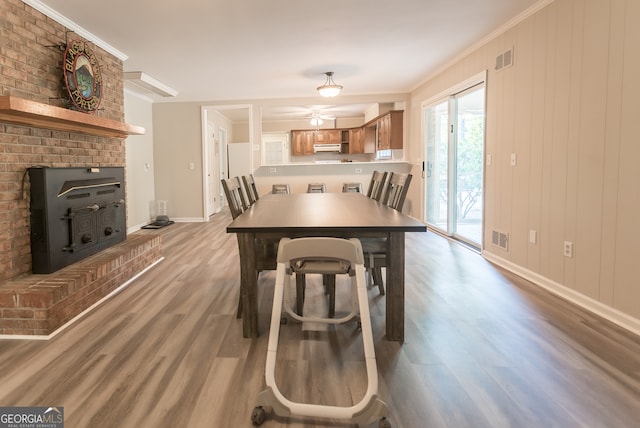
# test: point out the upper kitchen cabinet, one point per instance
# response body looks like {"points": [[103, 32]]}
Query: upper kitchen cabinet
{"points": [[384, 132], [390, 130], [328, 136], [355, 142], [302, 141]]}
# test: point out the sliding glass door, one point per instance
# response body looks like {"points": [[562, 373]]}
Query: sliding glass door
{"points": [[454, 139], [437, 165]]}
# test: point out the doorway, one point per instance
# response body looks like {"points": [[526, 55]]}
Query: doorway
{"points": [[217, 124], [454, 127]]}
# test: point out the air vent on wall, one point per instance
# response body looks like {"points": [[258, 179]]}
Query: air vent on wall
{"points": [[504, 60], [500, 239]]}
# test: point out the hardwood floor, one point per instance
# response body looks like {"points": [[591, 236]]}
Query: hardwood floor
{"points": [[483, 348]]}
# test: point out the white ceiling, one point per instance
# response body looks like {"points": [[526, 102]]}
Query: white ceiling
{"points": [[212, 50]]}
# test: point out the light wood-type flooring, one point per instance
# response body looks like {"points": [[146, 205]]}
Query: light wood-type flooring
{"points": [[483, 348]]}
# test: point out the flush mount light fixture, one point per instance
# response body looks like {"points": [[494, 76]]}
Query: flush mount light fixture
{"points": [[329, 89]]}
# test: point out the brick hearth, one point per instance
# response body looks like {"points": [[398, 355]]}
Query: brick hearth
{"points": [[40, 304]]}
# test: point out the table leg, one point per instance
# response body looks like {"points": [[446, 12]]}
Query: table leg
{"points": [[395, 287], [248, 284]]}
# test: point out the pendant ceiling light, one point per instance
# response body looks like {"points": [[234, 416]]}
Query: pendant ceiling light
{"points": [[329, 89]]}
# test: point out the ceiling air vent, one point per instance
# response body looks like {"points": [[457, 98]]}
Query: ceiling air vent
{"points": [[500, 239], [504, 60]]}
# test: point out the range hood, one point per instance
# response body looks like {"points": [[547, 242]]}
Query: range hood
{"points": [[324, 148]]}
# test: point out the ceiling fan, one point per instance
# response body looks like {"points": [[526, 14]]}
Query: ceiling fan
{"points": [[317, 119]]}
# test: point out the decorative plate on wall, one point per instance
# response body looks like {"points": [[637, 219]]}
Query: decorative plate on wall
{"points": [[82, 76]]}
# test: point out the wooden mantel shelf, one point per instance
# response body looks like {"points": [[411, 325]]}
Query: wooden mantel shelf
{"points": [[31, 113]]}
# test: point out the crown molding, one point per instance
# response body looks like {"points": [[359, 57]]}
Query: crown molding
{"points": [[46, 10], [147, 82]]}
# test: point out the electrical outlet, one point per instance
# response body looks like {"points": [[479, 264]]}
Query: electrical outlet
{"points": [[358, 170], [514, 159], [568, 249], [272, 170]]}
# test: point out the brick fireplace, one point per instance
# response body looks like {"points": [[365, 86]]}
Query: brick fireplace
{"points": [[31, 69]]}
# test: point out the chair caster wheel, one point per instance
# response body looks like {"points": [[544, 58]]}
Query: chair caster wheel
{"points": [[384, 423], [258, 415]]}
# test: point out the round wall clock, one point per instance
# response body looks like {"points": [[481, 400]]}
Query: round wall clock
{"points": [[82, 76]]}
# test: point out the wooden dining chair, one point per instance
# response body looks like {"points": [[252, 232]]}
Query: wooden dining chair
{"points": [[396, 190], [352, 187], [250, 188], [280, 188], [235, 197], [266, 249], [376, 185], [375, 249], [316, 188]]}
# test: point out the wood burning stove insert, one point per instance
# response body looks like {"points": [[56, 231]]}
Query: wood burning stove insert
{"points": [[75, 212]]}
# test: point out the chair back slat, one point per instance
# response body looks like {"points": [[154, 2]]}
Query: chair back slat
{"points": [[376, 186], [235, 197], [396, 191]]}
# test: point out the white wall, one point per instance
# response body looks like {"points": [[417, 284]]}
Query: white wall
{"points": [[139, 170], [178, 147], [568, 108]]}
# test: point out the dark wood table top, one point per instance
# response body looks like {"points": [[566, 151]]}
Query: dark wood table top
{"points": [[323, 212]]}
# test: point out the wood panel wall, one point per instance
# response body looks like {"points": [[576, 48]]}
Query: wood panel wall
{"points": [[569, 108]]}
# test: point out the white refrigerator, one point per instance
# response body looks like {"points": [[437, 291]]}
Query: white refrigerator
{"points": [[238, 159]]}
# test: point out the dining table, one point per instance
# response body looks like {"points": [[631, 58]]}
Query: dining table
{"points": [[343, 215]]}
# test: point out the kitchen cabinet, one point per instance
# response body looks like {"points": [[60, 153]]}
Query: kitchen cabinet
{"points": [[390, 130], [357, 142], [328, 136], [302, 141], [384, 139], [382, 133]]}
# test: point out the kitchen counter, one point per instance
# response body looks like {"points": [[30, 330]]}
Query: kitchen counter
{"points": [[299, 175], [336, 162]]}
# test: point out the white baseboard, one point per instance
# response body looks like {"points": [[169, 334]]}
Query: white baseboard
{"points": [[189, 219], [137, 227], [615, 316]]}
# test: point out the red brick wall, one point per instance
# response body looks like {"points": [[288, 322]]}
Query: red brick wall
{"points": [[31, 70]]}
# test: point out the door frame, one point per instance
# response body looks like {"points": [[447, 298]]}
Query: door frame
{"points": [[219, 156], [447, 94]]}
